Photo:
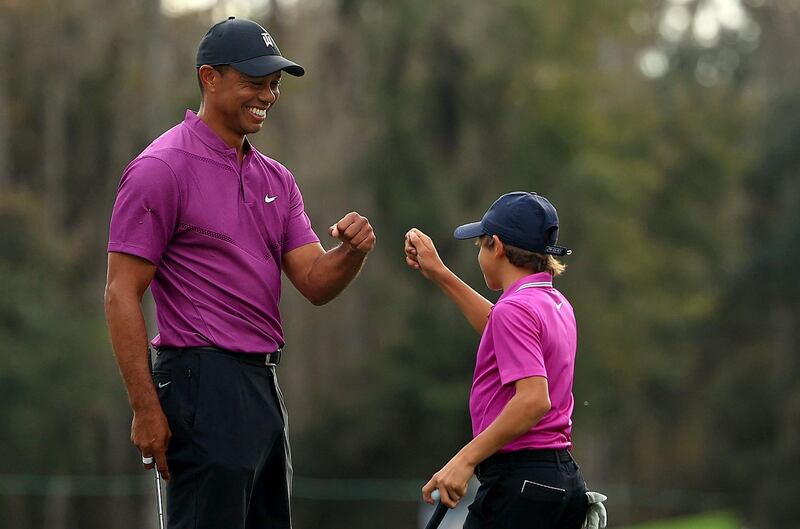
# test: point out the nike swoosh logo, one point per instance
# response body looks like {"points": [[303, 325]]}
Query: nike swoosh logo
{"points": [[269, 199], [164, 384], [558, 305]]}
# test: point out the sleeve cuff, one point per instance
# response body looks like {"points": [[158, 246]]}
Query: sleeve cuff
{"points": [[510, 378], [137, 251], [295, 244]]}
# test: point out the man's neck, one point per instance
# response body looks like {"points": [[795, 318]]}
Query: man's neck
{"points": [[231, 139]]}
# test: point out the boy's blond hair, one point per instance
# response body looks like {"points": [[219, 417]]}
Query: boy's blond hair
{"points": [[533, 261]]}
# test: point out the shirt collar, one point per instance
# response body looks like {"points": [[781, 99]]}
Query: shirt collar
{"points": [[209, 137], [538, 280]]}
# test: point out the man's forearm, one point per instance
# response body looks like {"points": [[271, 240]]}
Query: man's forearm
{"points": [[474, 306], [129, 341], [332, 272]]}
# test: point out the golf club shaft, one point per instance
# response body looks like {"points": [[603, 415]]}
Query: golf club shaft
{"points": [[158, 500], [157, 476], [438, 516]]}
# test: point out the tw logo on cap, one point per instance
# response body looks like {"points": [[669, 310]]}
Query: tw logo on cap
{"points": [[268, 40]]}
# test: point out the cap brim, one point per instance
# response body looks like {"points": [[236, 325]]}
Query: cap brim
{"points": [[469, 231], [268, 64]]}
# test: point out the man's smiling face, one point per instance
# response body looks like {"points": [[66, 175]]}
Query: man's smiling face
{"points": [[243, 101]]}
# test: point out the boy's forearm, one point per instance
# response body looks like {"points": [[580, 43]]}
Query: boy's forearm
{"points": [[474, 306], [516, 418]]}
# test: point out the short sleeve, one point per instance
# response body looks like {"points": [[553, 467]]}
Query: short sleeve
{"points": [[298, 230], [517, 342], [146, 210]]}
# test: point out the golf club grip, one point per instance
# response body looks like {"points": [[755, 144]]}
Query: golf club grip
{"points": [[438, 516]]}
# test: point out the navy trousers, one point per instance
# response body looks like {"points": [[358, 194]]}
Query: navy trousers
{"points": [[229, 455], [530, 489]]}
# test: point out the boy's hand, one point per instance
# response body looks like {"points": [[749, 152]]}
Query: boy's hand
{"points": [[421, 254], [451, 482]]}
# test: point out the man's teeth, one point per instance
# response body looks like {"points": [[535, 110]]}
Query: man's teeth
{"points": [[258, 112]]}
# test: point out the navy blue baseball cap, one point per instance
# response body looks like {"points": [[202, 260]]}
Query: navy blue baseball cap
{"points": [[246, 46], [525, 220]]}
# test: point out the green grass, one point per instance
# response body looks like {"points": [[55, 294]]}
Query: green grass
{"points": [[712, 520]]}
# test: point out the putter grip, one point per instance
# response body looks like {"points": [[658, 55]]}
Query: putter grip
{"points": [[438, 516]]}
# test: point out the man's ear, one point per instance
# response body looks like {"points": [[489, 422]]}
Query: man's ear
{"points": [[498, 249], [208, 76]]}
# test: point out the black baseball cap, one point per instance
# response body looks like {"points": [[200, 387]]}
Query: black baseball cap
{"points": [[522, 219], [246, 46]]}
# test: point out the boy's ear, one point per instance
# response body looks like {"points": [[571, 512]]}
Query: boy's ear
{"points": [[499, 249]]}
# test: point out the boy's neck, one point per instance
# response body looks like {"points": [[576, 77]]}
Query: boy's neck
{"points": [[510, 274]]}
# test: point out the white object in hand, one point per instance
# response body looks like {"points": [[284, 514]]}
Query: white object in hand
{"points": [[596, 516], [147, 460]]}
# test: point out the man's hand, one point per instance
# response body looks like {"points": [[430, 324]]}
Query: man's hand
{"points": [[421, 254], [355, 232], [151, 434], [451, 482]]}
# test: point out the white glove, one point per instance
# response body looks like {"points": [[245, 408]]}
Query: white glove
{"points": [[596, 516]]}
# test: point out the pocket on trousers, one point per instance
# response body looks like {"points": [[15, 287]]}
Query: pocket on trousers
{"points": [[163, 381], [535, 504], [540, 492], [177, 393], [189, 406]]}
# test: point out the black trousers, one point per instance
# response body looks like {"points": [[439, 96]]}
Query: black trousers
{"points": [[531, 489], [229, 456]]}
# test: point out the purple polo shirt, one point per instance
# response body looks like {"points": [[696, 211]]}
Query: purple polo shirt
{"points": [[216, 230], [531, 332]]}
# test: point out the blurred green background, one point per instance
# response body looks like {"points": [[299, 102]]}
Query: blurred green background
{"points": [[665, 131]]}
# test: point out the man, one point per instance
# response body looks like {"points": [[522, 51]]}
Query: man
{"points": [[212, 222], [521, 400]]}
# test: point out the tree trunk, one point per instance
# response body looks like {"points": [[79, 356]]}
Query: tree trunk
{"points": [[54, 144]]}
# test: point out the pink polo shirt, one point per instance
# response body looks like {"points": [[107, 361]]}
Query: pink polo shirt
{"points": [[531, 332], [217, 231]]}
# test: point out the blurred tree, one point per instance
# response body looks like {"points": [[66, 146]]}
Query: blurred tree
{"points": [[4, 110], [754, 398], [676, 189], [473, 101]]}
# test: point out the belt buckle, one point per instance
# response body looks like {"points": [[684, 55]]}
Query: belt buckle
{"points": [[274, 359]]}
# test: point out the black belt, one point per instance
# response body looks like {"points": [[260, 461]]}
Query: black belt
{"points": [[260, 359], [524, 456]]}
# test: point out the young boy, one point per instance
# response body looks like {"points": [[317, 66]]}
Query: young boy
{"points": [[521, 400]]}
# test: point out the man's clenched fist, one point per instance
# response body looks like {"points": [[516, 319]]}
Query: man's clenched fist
{"points": [[355, 232]]}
